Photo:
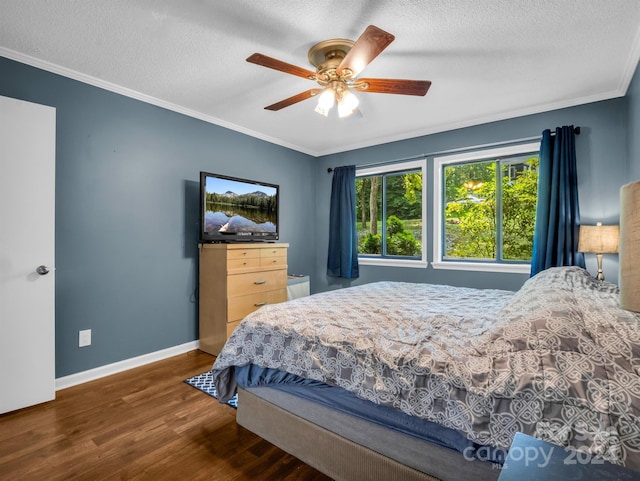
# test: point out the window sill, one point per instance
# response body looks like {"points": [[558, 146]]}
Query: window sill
{"points": [[374, 261], [483, 267]]}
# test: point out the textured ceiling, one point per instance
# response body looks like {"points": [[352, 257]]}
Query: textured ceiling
{"points": [[488, 59]]}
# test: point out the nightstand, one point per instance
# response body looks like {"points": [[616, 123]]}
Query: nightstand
{"points": [[297, 286], [531, 459]]}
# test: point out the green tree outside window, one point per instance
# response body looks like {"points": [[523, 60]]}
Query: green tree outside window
{"points": [[490, 210]]}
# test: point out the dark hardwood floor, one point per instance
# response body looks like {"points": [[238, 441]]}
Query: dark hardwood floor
{"points": [[145, 423]]}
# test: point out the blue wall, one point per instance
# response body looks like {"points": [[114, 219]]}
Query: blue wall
{"points": [[602, 168], [127, 202], [127, 178]]}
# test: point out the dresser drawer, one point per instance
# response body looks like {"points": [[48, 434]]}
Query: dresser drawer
{"points": [[273, 261], [243, 263], [253, 282], [242, 253], [269, 252], [239, 307], [273, 256]]}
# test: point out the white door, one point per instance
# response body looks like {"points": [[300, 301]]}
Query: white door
{"points": [[27, 210]]}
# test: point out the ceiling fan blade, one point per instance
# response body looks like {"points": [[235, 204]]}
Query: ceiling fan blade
{"points": [[392, 86], [294, 100], [372, 41], [285, 67]]}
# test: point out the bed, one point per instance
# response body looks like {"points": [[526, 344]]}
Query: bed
{"points": [[394, 380]]}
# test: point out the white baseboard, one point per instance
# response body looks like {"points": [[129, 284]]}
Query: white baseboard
{"points": [[102, 371]]}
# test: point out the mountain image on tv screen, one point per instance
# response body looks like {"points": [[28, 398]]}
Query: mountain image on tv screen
{"points": [[233, 206]]}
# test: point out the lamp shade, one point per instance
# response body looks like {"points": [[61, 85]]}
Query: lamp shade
{"points": [[629, 281], [599, 239]]}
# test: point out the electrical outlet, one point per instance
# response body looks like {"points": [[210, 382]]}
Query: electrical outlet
{"points": [[84, 338]]}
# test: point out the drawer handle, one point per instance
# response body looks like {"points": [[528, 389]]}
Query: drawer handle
{"points": [[257, 283], [260, 304]]}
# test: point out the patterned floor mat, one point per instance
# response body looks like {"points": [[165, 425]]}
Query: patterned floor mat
{"points": [[204, 382]]}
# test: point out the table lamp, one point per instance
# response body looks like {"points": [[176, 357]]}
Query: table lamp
{"points": [[599, 239]]}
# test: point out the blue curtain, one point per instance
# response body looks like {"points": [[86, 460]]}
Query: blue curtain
{"points": [[343, 236], [555, 239]]}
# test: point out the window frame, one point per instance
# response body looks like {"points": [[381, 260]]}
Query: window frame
{"points": [[439, 163], [398, 168]]}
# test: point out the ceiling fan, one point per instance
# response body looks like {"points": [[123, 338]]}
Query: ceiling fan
{"points": [[338, 63]]}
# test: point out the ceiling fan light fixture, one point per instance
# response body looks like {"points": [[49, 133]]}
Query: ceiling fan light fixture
{"points": [[338, 64], [347, 104], [326, 100]]}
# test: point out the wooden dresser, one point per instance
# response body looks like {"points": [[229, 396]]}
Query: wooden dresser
{"points": [[236, 279]]}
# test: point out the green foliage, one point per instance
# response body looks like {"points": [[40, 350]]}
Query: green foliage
{"points": [[519, 200], [394, 225], [458, 175], [472, 215], [266, 203], [403, 200], [399, 241], [371, 244], [403, 243], [475, 211], [412, 187], [403, 196]]}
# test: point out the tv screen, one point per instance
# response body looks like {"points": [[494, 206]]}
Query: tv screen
{"points": [[234, 209]]}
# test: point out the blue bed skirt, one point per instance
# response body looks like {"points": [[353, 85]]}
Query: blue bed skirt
{"points": [[342, 400]]}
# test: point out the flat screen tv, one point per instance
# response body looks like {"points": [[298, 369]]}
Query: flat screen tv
{"points": [[237, 210]]}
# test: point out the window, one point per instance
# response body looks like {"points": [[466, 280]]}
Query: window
{"points": [[485, 207], [390, 214]]}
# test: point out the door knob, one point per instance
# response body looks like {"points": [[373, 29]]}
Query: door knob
{"points": [[42, 270]]}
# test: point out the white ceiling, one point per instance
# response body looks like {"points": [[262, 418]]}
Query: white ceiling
{"points": [[488, 59]]}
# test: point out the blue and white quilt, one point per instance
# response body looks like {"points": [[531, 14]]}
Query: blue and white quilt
{"points": [[558, 359]]}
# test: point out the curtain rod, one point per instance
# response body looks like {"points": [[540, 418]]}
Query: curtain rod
{"points": [[576, 130]]}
